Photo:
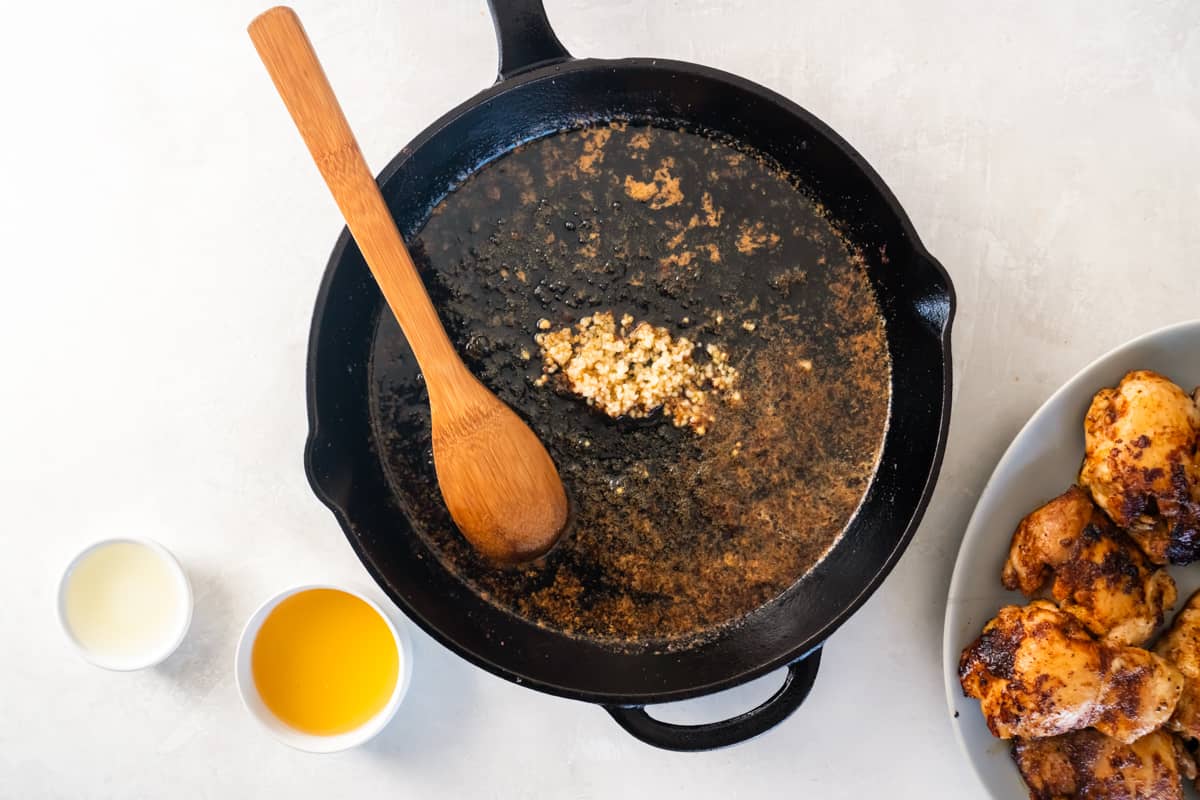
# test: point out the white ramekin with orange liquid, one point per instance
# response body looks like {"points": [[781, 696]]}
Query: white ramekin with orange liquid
{"points": [[323, 668]]}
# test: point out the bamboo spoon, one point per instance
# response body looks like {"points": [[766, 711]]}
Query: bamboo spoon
{"points": [[496, 477]]}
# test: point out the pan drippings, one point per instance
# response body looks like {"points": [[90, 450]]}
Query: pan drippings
{"points": [[673, 534]]}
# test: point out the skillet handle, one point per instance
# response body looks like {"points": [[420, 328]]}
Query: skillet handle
{"points": [[524, 36], [709, 736]]}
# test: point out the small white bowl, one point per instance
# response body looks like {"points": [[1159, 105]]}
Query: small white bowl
{"points": [[151, 657], [308, 742]]}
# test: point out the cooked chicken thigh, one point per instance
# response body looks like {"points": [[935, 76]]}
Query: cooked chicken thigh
{"points": [[1036, 672], [1088, 764], [1140, 464], [1100, 577], [1181, 646]]}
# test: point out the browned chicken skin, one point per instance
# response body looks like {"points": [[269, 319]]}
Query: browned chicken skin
{"points": [[1036, 672], [1088, 764], [1181, 646], [1100, 577], [1140, 464]]}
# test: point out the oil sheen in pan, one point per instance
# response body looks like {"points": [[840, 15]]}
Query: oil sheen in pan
{"points": [[674, 535]]}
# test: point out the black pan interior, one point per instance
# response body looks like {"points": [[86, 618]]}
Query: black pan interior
{"points": [[914, 298], [674, 534]]}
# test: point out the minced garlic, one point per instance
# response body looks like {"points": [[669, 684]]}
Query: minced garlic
{"points": [[632, 370]]}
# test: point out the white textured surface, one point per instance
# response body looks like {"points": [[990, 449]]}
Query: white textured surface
{"points": [[164, 235]]}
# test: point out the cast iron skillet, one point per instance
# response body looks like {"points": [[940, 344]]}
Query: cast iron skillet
{"points": [[540, 90]]}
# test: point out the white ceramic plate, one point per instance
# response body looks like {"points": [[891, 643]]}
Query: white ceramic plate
{"points": [[1042, 461]]}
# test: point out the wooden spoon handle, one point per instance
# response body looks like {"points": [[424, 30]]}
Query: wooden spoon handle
{"points": [[288, 55]]}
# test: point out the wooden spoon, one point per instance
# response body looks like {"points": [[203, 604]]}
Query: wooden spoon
{"points": [[496, 477]]}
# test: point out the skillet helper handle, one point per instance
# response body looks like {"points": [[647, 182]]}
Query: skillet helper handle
{"points": [[288, 56], [709, 736], [524, 36]]}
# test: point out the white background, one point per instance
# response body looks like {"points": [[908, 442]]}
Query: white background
{"points": [[164, 234]]}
